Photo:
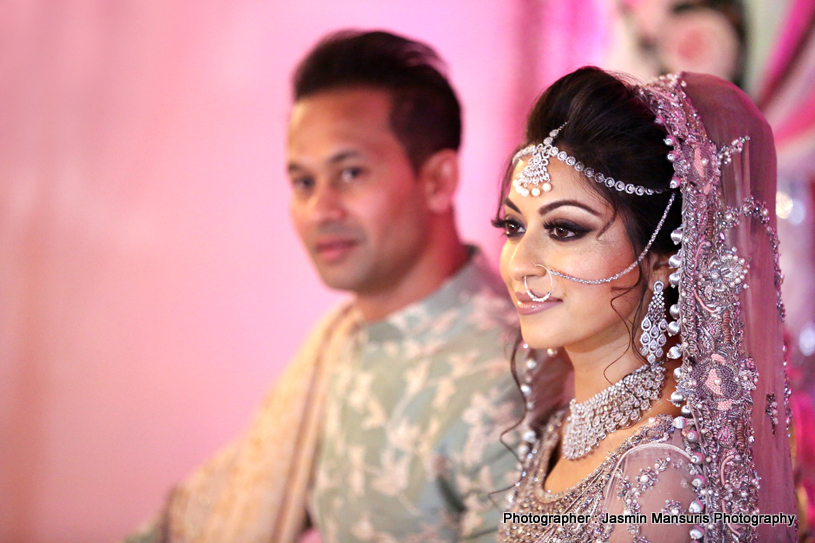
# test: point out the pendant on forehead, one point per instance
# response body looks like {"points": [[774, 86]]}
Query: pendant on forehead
{"points": [[535, 178]]}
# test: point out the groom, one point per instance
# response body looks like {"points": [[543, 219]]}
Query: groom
{"points": [[386, 427]]}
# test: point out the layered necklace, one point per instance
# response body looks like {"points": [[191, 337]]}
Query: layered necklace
{"points": [[617, 406]]}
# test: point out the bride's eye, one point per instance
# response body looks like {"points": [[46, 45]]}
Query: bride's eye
{"points": [[565, 230], [510, 227]]}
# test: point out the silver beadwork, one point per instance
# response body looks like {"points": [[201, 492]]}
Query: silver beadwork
{"points": [[535, 177], [726, 153]]}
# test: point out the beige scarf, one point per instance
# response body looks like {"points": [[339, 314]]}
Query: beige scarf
{"points": [[255, 490]]}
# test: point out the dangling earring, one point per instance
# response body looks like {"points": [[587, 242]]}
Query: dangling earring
{"points": [[654, 325]]}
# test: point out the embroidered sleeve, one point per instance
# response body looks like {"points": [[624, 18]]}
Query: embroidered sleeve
{"points": [[649, 496], [482, 466]]}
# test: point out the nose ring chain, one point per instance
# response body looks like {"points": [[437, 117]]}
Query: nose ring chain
{"points": [[533, 296]]}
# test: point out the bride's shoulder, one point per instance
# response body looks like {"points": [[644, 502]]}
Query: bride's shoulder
{"points": [[656, 442], [654, 478]]}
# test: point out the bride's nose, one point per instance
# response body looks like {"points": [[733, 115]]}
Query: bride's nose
{"points": [[525, 260]]}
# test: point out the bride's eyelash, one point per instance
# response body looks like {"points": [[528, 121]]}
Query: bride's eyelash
{"points": [[509, 226], [559, 229], [577, 230]]}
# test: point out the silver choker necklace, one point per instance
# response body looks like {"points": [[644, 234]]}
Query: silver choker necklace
{"points": [[617, 406]]}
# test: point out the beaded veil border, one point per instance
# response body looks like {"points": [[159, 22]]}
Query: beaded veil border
{"points": [[719, 387]]}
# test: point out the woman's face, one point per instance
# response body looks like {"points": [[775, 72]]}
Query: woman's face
{"points": [[570, 229]]}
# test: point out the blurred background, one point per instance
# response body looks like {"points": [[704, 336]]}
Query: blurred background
{"points": [[151, 286]]}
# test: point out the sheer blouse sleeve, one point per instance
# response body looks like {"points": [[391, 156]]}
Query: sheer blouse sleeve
{"points": [[650, 478]]}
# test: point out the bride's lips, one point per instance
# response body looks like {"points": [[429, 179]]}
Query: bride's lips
{"points": [[526, 306], [334, 249]]}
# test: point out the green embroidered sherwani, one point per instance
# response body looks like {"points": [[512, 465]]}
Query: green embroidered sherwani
{"points": [[411, 447]]}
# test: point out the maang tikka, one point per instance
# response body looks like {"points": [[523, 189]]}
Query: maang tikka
{"points": [[535, 178]]}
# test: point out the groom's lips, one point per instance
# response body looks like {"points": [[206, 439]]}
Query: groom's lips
{"points": [[334, 249]]}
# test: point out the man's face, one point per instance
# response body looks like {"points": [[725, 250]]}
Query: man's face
{"points": [[357, 204]]}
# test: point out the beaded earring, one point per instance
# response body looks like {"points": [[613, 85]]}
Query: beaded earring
{"points": [[654, 326]]}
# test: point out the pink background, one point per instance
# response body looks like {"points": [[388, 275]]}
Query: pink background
{"points": [[151, 286]]}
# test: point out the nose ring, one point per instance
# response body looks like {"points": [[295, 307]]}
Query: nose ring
{"points": [[534, 297]]}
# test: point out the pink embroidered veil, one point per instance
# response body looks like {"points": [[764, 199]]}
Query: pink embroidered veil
{"points": [[731, 383]]}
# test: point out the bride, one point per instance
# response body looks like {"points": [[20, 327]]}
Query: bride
{"points": [[640, 240]]}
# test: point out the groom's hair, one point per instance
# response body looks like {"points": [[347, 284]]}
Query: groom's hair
{"points": [[425, 114]]}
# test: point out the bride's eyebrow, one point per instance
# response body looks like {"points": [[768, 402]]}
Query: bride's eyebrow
{"points": [[554, 205], [548, 208], [509, 204]]}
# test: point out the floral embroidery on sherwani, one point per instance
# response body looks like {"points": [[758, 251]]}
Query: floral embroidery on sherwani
{"points": [[411, 447]]}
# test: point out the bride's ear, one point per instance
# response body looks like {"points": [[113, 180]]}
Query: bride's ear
{"points": [[659, 268]]}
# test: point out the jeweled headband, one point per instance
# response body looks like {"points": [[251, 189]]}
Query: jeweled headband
{"points": [[535, 177]]}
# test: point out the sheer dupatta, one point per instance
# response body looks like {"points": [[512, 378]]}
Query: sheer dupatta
{"points": [[732, 381]]}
